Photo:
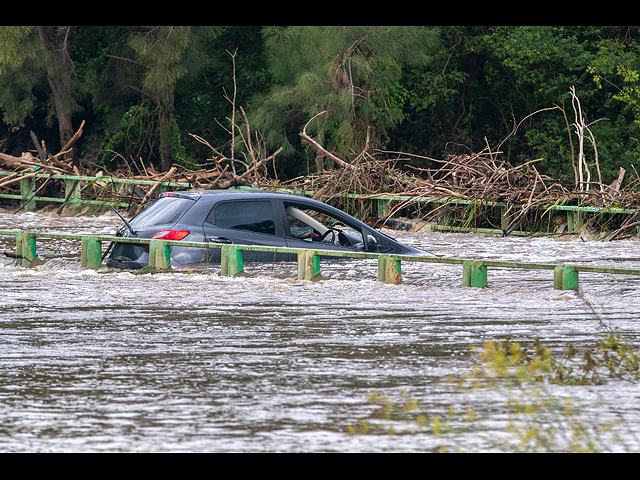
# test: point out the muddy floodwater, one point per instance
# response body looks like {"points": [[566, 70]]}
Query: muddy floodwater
{"points": [[111, 361]]}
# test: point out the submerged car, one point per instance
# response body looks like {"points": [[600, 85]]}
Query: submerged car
{"points": [[245, 217]]}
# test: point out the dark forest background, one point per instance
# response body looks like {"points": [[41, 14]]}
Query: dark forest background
{"points": [[427, 90]]}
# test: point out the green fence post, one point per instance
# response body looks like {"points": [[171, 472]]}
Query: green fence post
{"points": [[159, 255], [389, 270], [29, 247], [474, 274], [236, 264], [27, 190], [505, 218], [26, 250], [91, 253], [575, 220], [383, 208], [231, 262], [308, 265], [565, 277], [71, 190], [19, 240]]}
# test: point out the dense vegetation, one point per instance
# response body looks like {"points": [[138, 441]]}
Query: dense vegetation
{"points": [[429, 91]]}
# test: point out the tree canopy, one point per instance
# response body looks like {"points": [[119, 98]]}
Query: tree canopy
{"points": [[426, 90]]}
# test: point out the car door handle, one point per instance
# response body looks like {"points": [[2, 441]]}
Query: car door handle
{"points": [[218, 240]]}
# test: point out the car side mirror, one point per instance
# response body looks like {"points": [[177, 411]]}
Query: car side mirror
{"points": [[370, 242]]}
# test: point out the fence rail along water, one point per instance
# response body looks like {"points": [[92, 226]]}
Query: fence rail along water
{"points": [[382, 203], [474, 271]]}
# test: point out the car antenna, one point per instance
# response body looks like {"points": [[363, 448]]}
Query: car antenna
{"points": [[133, 232]]}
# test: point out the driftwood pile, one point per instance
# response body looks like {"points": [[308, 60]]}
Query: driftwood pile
{"points": [[44, 162], [479, 176], [224, 173]]}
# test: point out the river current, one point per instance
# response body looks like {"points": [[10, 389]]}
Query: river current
{"points": [[111, 361]]}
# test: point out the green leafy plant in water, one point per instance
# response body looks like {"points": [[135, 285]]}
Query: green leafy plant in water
{"points": [[539, 420]]}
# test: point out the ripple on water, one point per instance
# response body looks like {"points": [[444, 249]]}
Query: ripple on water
{"points": [[114, 361]]}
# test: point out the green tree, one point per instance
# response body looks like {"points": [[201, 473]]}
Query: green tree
{"points": [[352, 73], [616, 69], [28, 56], [482, 81], [446, 95], [157, 58], [202, 103]]}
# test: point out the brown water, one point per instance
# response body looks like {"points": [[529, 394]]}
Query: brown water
{"points": [[112, 361]]}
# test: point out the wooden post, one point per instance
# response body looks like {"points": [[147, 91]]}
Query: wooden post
{"points": [[565, 277], [159, 255], [91, 253], [474, 274]]}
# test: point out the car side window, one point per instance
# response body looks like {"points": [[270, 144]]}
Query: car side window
{"points": [[306, 223], [251, 216]]}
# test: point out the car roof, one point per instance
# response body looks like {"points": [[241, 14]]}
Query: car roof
{"points": [[224, 195], [229, 194]]}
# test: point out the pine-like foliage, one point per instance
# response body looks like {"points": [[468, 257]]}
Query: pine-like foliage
{"points": [[162, 50], [352, 72], [22, 66]]}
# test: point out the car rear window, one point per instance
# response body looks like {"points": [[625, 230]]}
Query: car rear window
{"points": [[250, 216], [165, 210]]}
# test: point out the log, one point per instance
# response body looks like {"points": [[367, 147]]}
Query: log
{"points": [[12, 180], [73, 139], [617, 233], [41, 154], [11, 161], [386, 222], [27, 160]]}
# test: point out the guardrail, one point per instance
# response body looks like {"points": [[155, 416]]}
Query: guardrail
{"points": [[575, 213], [72, 191], [474, 271]]}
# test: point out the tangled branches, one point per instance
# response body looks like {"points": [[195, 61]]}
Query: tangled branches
{"points": [[471, 177]]}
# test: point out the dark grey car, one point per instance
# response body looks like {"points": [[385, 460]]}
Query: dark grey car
{"points": [[246, 217]]}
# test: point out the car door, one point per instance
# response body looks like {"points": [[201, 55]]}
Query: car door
{"points": [[245, 222]]}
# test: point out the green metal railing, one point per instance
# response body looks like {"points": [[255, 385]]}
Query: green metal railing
{"points": [[73, 190], [474, 271], [383, 202]]}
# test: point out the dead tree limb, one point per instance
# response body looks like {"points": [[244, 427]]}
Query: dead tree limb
{"points": [[321, 149], [41, 154], [171, 171]]}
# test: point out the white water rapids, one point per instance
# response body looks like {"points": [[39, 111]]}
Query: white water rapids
{"points": [[112, 361]]}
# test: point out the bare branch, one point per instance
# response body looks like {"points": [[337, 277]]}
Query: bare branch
{"points": [[318, 147]]}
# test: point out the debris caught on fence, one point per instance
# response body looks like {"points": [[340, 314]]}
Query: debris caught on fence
{"points": [[483, 176]]}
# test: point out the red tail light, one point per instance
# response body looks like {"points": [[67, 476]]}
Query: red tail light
{"points": [[171, 234]]}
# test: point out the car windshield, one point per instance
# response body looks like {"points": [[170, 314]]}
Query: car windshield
{"points": [[165, 210]]}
